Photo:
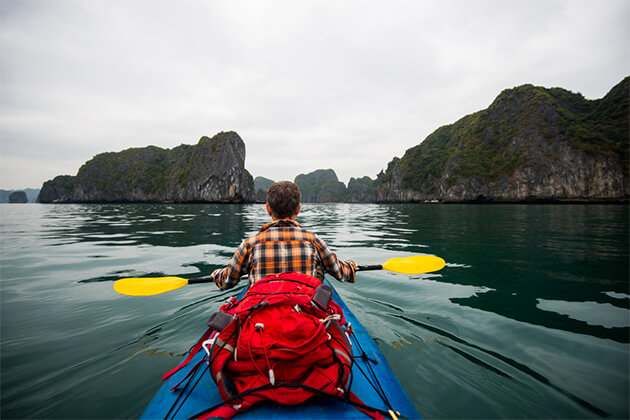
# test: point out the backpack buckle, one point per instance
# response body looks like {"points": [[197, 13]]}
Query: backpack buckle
{"points": [[208, 344]]}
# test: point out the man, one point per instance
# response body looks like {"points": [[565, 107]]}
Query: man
{"points": [[283, 245]]}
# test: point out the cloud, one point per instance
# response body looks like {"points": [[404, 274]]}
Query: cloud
{"points": [[307, 85]]}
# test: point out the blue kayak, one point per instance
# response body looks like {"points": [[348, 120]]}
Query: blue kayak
{"points": [[373, 382]]}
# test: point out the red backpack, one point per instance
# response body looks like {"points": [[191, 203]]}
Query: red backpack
{"points": [[284, 341]]}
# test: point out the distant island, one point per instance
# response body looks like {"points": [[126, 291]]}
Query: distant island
{"points": [[532, 144], [323, 186], [261, 185], [28, 194]]}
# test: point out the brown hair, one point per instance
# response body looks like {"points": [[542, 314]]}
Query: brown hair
{"points": [[283, 198]]}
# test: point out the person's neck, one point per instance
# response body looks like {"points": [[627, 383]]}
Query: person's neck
{"points": [[286, 219]]}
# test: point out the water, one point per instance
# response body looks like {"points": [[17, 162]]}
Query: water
{"points": [[530, 318]]}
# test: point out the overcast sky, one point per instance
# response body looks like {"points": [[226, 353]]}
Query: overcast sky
{"points": [[338, 84]]}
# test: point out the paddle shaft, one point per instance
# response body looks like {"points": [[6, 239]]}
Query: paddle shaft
{"points": [[369, 267], [200, 280]]}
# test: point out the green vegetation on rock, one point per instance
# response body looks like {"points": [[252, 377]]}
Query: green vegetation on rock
{"points": [[361, 190], [210, 171], [531, 143], [321, 186], [525, 127], [57, 190], [262, 183]]}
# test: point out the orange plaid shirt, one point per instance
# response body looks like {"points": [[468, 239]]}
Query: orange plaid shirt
{"points": [[279, 247]]}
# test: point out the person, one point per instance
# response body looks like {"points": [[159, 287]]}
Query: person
{"points": [[283, 246]]}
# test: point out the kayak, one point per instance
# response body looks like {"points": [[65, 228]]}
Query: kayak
{"points": [[373, 382]]}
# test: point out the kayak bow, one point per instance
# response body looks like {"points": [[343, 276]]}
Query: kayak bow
{"points": [[373, 382]]}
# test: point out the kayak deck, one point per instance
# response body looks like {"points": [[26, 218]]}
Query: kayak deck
{"points": [[372, 378]]}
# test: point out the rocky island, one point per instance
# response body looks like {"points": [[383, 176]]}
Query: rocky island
{"points": [[530, 144], [323, 186], [213, 170], [18, 197], [31, 195]]}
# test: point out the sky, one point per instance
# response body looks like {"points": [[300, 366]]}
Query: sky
{"points": [[308, 85]]}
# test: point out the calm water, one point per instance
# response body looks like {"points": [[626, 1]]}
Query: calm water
{"points": [[530, 318]]}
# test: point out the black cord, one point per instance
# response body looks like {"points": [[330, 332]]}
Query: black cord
{"points": [[380, 391], [288, 385], [251, 309], [188, 394]]}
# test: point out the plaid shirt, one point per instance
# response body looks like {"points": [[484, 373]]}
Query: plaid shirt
{"points": [[279, 247]]}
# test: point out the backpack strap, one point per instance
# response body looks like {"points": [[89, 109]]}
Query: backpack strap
{"points": [[227, 409]]}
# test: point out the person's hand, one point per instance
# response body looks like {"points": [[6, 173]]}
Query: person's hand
{"points": [[353, 265], [216, 277]]}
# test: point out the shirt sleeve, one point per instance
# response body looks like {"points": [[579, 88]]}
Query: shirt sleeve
{"points": [[228, 277], [339, 269]]}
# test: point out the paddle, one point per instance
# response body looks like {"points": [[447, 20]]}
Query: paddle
{"points": [[148, 286]]}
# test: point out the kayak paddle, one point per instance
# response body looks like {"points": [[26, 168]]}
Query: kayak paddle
{"points": [[416, 264], [148, 286]]}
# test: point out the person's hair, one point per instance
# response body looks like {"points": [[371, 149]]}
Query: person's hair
{"points": [[284, 199]]}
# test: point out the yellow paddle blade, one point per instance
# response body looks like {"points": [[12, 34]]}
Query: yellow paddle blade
{"points": [[414, 265], [148, 286]]}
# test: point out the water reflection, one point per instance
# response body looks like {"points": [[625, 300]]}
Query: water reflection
{"points": [[593, 313], [144, 224], [519, 255], [531, 253], [367, 225]]}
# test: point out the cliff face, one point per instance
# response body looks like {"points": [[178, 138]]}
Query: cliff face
{"points": [[57, 190], [211, 171], [532, 143], [361, 190], [321, 186]]}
